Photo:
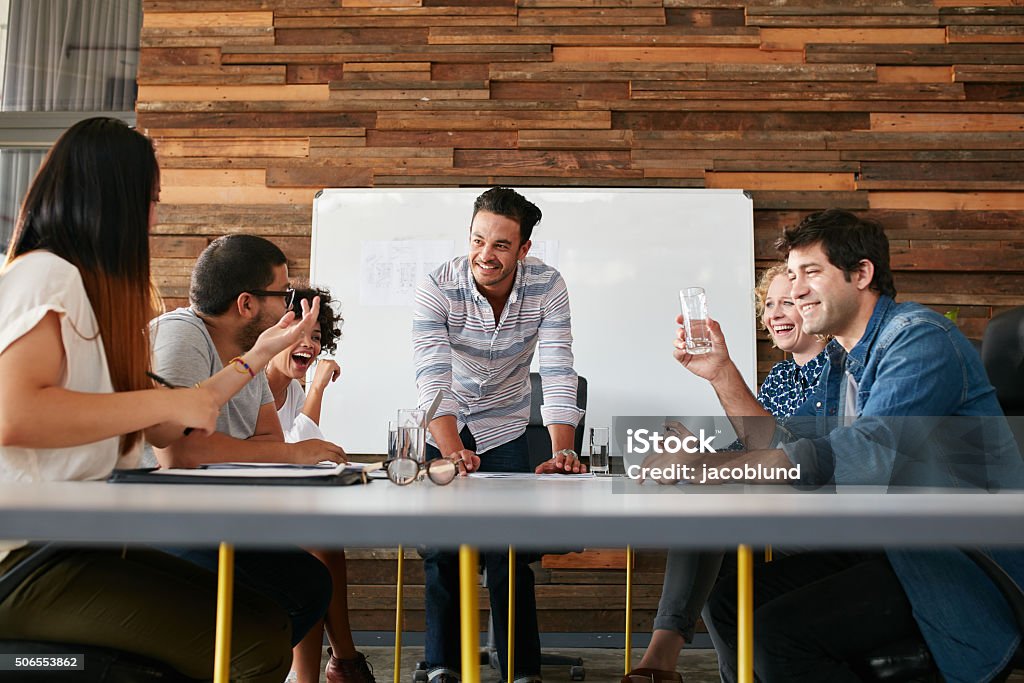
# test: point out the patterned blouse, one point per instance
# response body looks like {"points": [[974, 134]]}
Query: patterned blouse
{"points": [[788, 385]]}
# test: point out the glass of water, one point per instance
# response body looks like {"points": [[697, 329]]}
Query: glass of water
{"points": [[599, 450], [694, 303], [411, 435]]}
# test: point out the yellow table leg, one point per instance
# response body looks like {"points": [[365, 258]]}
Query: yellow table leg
{"points": [[511, 674], [767, 553], [629, 609], [470, 614], [745, 614], [225, 590], [398, 617]]}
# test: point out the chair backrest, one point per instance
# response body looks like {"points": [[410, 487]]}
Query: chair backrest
{"points": [[1002, 352], [537, 434]]}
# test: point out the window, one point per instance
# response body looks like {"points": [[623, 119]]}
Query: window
{"points": [[62, 61]]}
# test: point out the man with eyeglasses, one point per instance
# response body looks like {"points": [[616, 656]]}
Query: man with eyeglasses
{"points": [[239, 288]]}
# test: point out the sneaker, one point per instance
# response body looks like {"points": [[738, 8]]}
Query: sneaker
{"points": [[442, 675], [355, 670]]}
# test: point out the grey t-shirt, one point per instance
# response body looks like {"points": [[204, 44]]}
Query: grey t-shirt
{"points": [[184, 354]]}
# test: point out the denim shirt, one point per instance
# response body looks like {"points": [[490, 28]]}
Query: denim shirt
{"points": [[913, 370]]}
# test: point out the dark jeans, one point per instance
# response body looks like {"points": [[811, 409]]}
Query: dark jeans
{"points": [[293, 579], [813, 614], [441, 576]]}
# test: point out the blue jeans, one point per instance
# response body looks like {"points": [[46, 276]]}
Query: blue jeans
{"points": [[292, 579], [441, 576]]}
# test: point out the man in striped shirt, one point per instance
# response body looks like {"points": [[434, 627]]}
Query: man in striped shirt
{"points": [[476, 324]]}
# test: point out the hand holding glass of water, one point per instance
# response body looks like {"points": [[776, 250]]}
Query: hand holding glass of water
{"points": [[694, 303], [599, 444]]}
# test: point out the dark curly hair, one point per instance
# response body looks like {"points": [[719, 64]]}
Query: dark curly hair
{"points": [[330, 319]]}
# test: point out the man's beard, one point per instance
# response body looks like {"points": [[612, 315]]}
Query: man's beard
{"points": [[252, 330]]}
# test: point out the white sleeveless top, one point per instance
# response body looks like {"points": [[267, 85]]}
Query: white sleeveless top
{"points": [[30, 287]]}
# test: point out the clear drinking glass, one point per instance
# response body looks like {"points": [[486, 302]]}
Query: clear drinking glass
{"points": [[412, 433], [694, 303], [599, 450]]}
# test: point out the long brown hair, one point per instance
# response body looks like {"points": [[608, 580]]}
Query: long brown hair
{"points": [[89, 204]]}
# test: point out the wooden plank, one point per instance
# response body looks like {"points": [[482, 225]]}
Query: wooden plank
{"points": [[213, 75], [154, 20], [790, 72], [831, 92], [206, 37], [324, 37], [997, 257], [409, 93], [678, 54], [796, 39], [949, 201], [812, 182], [739, 120], [661, 139], [343, 54], [512, 162], [946, 122], [433, 16], [594, 71], [988, 74], [575, 139], [785, 166], [321, 176], [851, 8], [914, 55], [605, 16], [588, 559], [357, 67], [985, 34], [314, 73], [156, 57], [704, 17], [234, 132], [878, 140], [237, 195], [530, 90], [588, 4], [175, 247], [241, 93], [384, 159], [445, 138], [915, 74], [844, 21], [487, 120], [211, 177], [381, 3], [272, 147], [324, 12], [273, 120], [772, 199], [595, 36]]}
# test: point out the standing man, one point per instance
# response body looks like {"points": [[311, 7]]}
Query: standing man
{"points": [[476, 324], [903, 400]]}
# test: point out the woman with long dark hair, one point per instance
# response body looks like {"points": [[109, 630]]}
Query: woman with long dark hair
{"points": [[75, 298]]}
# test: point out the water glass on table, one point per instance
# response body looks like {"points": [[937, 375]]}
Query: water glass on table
{"points": [[599, 444], [694, 302]]}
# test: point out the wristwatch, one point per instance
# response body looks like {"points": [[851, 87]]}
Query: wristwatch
{"points": [[567, 452]]}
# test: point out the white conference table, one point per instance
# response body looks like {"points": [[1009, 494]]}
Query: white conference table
{"points": [[496, 513]]}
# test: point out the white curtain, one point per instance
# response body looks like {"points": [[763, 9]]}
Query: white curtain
{"points": [[64, 55]]}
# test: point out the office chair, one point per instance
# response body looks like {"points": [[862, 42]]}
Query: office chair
{"points": [[1002, 353], [102, 665]]}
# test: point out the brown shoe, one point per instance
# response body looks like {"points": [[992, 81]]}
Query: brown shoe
{"points": [[645, 675], [355, 670]]}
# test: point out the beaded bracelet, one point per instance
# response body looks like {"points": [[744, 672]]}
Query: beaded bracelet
{"points": [[241, 361]]}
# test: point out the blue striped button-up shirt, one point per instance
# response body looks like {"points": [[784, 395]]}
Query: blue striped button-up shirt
{"points": [[482, 365]]}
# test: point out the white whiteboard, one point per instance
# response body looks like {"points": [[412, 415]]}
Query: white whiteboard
{"points": [[624, 254]]}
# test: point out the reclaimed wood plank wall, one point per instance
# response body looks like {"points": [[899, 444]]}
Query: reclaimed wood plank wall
{"points": [[910, 111]]}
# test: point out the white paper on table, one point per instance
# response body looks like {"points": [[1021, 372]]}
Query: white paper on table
{"points": [[528, 475], [270, 469], [389, 270]]}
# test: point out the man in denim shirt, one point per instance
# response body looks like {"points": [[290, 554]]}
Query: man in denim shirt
{"points": [[893, 371]]}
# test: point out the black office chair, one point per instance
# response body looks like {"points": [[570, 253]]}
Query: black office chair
{"points": [[101, 664], [1002, 353]]}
